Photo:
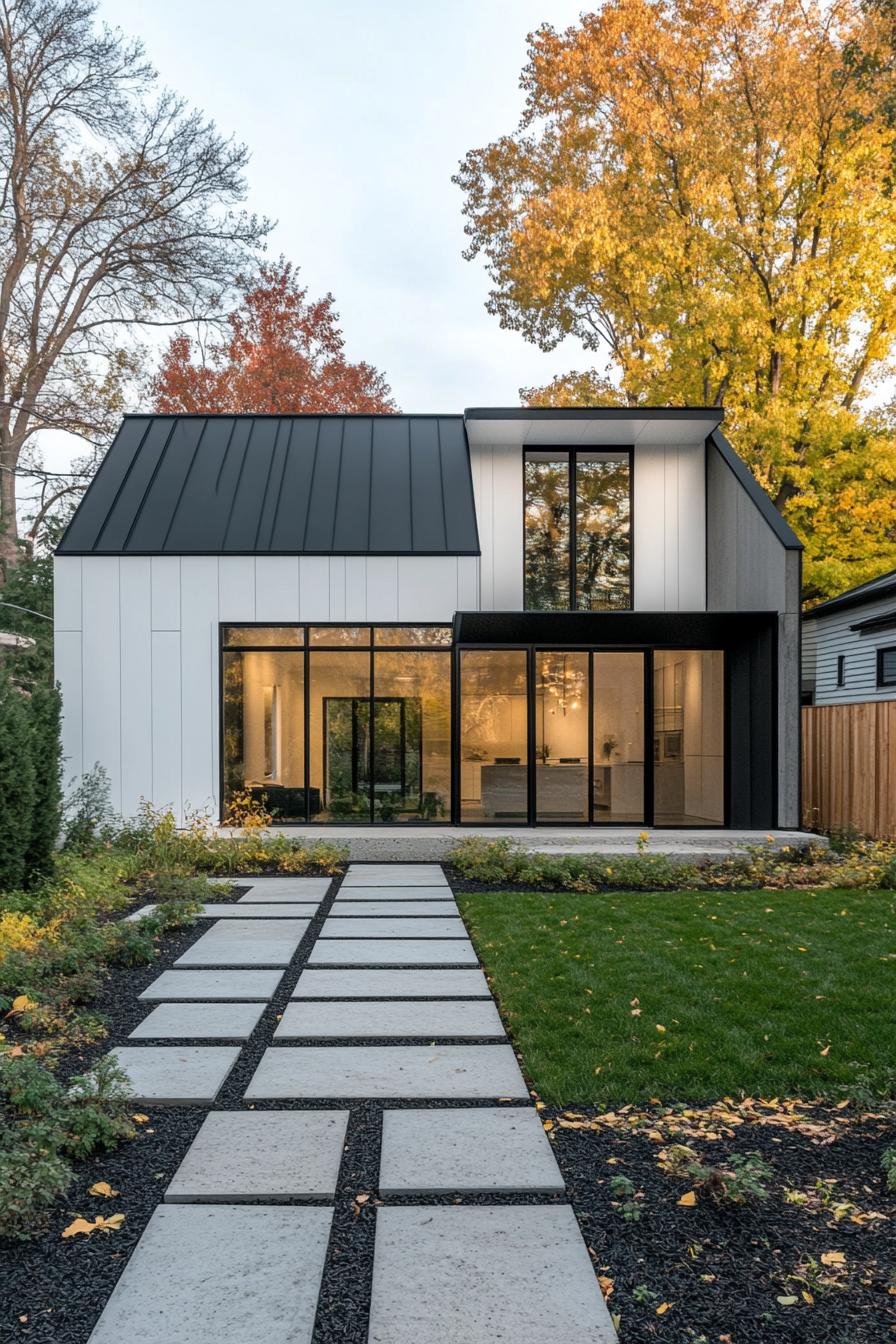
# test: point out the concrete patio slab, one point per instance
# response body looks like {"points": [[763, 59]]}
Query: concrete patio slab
{"points": [[220, 1274], [487, 1150], [267, 1155], [282, 889], [519, 1274], [431, 843], [363, 984], [199, 1021], [246, 942], [395, 877], [400, 952], [404, 893], [176, 1075], [235, 910], [393, 928], [237, 986], [401, 909], [447, 1072], [432, 1019]]}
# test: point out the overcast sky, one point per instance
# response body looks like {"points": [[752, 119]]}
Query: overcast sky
{"points": [[357, 114]]}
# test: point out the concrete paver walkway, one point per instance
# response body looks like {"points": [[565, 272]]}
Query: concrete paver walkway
{"points": [[231, 1257]]}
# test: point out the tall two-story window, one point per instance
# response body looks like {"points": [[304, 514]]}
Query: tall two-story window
{"points": [[577, 530]]}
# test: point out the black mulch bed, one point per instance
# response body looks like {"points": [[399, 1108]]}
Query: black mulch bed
{"points": [[722, 1269]]}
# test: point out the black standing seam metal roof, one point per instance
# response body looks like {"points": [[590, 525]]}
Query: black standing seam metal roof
{"points": [[280, 484]]}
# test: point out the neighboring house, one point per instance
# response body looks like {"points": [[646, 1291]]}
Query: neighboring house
{"points": [[849, 645], [517, 616]]}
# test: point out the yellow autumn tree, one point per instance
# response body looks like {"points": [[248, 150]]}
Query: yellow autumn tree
{"points": [[701, 191]]}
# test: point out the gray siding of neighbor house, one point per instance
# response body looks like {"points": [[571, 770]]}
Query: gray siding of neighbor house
{"points": [[753, 561], [827, 637]]}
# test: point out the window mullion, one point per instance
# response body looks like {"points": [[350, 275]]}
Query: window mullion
{"points": [[573, 541]]}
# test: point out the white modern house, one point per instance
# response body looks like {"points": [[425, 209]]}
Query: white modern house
{"points": [[849, 645], [507, 617]]}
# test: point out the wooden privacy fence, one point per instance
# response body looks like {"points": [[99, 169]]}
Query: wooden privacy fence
{"points": [[849, 767]]}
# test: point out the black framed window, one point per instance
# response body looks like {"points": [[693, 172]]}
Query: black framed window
{"points": [[886, 666], [577, 529], [841, 670], [337, 723]]}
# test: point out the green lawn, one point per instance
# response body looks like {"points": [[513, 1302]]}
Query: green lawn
{"points": [[758, 993]]}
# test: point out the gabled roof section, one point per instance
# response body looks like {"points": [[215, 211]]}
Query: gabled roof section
{"points": [[872, 591], [280, 485], [776, 521]]}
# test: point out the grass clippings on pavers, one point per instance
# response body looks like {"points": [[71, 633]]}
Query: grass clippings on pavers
{"points": [[615, 998]]}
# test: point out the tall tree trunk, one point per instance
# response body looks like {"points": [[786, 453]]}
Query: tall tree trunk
{"points": [[9, 551]]}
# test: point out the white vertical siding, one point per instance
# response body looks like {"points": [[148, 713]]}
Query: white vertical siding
{"points": [[668, 527], [166, 709], [236, 588], [135, 595], [498, 491], [199, 681], [101, 670], [276, 587], [165, 571], [141, 689]]}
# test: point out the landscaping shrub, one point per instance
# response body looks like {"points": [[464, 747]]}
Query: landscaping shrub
{"points": [[45, 753], [88, 817], [44, 1125], [17, 784], [864, 864]]}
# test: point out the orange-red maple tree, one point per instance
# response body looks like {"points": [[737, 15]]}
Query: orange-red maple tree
{"points": [[283, 354]]}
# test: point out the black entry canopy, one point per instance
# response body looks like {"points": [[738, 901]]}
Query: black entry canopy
{"points": [[677, 630], [280, 484]]}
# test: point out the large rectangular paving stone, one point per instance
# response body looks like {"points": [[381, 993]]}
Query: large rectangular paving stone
{"points": [[399, 909], [399, 877], [408, 893], [267, 1155], [176, 1075], [393, 928], [282, 889], [358, 1019], [400, 952], [246, 942], [412, 1072], [394, 984], [237, 986], [484, 1150], [234, 910], [220, 1274], [519, 1274], [199, 1021]]}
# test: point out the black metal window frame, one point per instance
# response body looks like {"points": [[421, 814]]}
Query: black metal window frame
{"points": [[305, 649], [883, 681], [572, 454], [841, 669], [648, 650]]}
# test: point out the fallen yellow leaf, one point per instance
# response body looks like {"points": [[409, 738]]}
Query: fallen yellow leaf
{"points": [[663, 1308], [99, 1224], [660, 1027], [606, 1284], [689, 1200], [21, 1003], [807, 1297], [139, 1119], [102, 1188], [833, 1258]]}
